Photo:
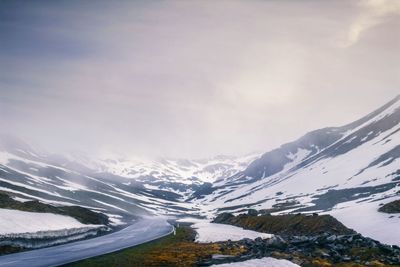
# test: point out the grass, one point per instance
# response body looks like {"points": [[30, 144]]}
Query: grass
{"points": [[392, 207], [178, 250], [296, 224], [9, 249]]}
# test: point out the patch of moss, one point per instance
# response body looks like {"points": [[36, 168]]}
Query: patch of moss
{"points": [[391, 207], [298, 224], [9, 249]]}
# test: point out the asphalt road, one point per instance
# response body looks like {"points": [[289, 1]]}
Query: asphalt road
{"points": [[141, 231]]}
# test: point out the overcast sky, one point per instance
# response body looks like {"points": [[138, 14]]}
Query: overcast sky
{"points": [[192, 78]]}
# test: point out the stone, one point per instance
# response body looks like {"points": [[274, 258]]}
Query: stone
{"points": [[331, 238]]}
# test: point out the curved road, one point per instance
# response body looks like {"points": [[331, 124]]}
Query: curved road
{"points": [[144, 230]]}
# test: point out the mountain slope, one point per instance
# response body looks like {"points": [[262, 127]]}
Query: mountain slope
{"points": [[28, 175], [357, 165], [180, 176], [338, 170], [114, 186]]}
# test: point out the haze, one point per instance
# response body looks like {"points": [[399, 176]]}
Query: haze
{"points": [[191, 78]]}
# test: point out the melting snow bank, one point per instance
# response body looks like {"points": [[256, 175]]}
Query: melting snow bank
{"points": [[49, 238], [16, 221], [365, 219], [214, 232], [264, 262], [34, 230]]}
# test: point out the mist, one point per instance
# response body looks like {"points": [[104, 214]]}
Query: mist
{"points": [[191, 78]]}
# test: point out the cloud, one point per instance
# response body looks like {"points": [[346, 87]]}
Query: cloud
{"points": [[185, 78], [373, 13]]}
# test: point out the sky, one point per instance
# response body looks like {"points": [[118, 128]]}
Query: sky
{"points": [[191, 79]]}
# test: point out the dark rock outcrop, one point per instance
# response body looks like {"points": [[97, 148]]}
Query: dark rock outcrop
{"points": [[391, 207]]}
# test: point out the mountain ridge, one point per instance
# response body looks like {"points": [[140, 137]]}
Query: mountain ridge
{"points": [[331, 170]]}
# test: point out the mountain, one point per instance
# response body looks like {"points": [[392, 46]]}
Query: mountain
{"points": [[181, 176], [180, 170], [115, 186], [28, 175], [346, 171]]}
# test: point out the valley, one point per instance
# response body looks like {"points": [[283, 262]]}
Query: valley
{"points": [[351, 173]]}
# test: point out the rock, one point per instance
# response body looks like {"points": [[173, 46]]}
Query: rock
{"points": [[277, 242], [252, 212], [223, 217], [346, 258], [331, 247], [247, 241], [331, 238], [350, 239], [259, 241], [219, 256]]}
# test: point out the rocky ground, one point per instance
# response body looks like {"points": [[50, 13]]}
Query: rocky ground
{"points": [[308, 241], [319, 250]]}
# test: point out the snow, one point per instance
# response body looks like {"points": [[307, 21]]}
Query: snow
{"points": [[115, 219], [299, 180], [35, 197], [264, 262], [16, 222], [33, 188], [179, 170], [340, 172], [71, 186], [214, 232], [367, 220], [20, 199], [110, 205]]}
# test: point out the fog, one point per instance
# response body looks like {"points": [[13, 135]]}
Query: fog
{"points": [[191, 78]]}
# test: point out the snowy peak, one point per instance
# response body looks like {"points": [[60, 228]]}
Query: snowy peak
{"points": [[319, 171], [292, 153], [335, 170], [324, 143], [177, 170]]}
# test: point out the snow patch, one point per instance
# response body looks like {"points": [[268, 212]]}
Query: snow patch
{"points": [[367, 220], [15, 221], [208, 232], [264, 262]]}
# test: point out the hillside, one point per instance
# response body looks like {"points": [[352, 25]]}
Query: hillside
{"points": [[346, 171]]}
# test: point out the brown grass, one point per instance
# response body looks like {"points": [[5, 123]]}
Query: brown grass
{"points": [[177, 251]]}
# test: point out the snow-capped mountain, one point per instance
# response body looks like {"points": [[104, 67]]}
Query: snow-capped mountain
{"points": [[119, 185], [347, 171], [28, 175], [181, 176], [336, 170], [179, 170]]}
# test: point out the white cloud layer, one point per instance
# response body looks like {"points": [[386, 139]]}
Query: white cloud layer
{"points": [[373, 13], [191, 78]]}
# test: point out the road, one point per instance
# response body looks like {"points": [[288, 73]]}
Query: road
{"points": [[141, 231]]}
